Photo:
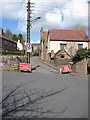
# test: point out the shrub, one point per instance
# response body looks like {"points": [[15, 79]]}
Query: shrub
{"points": [[36, 53], [80, 54], [12, 53]]}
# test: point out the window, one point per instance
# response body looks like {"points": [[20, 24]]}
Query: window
{"points": [[80, 46], [46, 47], [62, 56], [14, 45], [63, 45], [40, 47], [0, 49], [5, 43], [10, 44]]}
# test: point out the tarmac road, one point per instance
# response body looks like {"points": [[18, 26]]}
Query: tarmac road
{"points": [[44, 93]]}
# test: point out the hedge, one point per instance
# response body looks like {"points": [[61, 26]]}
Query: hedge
{"points": [[12, 53]]}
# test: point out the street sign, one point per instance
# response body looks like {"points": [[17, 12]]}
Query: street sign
{"points": [[66, 68], [29, 46], [25, 67]]}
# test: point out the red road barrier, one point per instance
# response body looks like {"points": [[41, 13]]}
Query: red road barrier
{"points": [[66, 68], [25, 67]]}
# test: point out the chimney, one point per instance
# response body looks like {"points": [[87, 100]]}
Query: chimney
{"points": [[1, 31], [41, 31]]}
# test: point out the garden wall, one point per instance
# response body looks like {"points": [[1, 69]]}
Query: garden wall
{"points": [[59, 62], [80, 67], [11, 62]]}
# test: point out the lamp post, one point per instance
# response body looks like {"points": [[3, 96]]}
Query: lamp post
{"points": [[29, 25], [33, 21], [28, 36]]}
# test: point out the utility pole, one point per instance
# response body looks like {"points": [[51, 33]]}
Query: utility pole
{"points": [[29, 25], [28, 31]]}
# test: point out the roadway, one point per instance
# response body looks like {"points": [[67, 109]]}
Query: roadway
{"points": [[44, 93]]}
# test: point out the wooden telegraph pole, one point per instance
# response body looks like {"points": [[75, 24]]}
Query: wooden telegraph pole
{"points": [[28, 31]]}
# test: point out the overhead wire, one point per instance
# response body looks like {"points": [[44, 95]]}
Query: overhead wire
{"points": [[78, 15]]}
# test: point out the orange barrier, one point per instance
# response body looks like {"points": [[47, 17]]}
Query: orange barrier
{"points": [[60, 72]]}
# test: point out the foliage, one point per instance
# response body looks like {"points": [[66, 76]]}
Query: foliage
{"points": [[8, 33], [88, 52], [80, 54], [79, 27], [21, 38], [15, 38], [12, 53], [36, 53]]}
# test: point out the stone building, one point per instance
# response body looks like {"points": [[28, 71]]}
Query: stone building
{"points": [[89, 44], [57, 39], [35, 46], [44, 45], [7, 44]]}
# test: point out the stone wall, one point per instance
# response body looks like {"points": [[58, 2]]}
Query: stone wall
{"points": [[11, 62], [59, 62], [80, 67]]}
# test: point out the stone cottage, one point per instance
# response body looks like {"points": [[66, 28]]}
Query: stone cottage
{"points": [[57, 39]]}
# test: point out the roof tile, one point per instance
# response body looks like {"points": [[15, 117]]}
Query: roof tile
{"points": [[68, 35]]}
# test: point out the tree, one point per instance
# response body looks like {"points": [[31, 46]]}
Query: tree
{"points": [[79, 27], [8, 33], [21, 38], [15, 38]]}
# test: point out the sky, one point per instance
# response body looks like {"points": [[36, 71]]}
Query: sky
{"points": [[55, 14]]}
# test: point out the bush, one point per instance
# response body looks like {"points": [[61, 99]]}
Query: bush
{"points": [[36, 53], [88, 52], [12, 53], [80, 54]]}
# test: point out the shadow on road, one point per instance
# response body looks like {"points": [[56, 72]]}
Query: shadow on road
{"points": [[29, 103], [35, 67]]}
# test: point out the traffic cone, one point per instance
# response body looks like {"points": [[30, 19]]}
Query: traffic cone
{"points": [[60, 72]]}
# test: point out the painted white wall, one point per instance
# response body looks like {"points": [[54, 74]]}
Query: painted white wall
{"points": [[55, 45], [20, 46]]}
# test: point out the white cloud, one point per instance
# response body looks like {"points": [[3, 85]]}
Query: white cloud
{"points": [[13, 10], [22, 26], [35, 42], [74, 11]]}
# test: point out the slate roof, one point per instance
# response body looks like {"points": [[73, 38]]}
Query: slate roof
{"points": [[1, 36], [68, 35]]}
